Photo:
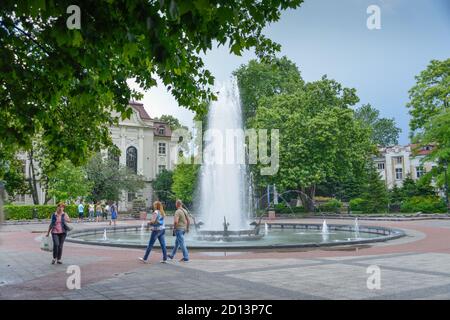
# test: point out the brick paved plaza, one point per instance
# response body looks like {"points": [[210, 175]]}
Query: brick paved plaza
{"points": [[413, 267]]}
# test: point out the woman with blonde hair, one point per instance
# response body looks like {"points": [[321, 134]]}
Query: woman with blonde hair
{"points": [[158, 231]]}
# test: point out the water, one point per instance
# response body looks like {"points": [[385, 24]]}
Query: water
{"points": [[274, 237], [356, 228], [266, 229], [142, 227], [224, 185], [105, 238], [325, 228]]}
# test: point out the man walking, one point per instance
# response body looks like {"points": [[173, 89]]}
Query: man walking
{"points": [[180, 226]]}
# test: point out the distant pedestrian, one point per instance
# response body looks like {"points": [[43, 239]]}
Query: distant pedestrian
{"points": [[113, 209], [158, 232], [80, 212], [91, 209], [181, 226], [106, 212], [98, 211], [58, 229]]}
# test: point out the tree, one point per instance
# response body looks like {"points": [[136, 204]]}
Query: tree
{"points": [[185, 181], [162, 186], [14, 177], [68, 182], [109, 179], [320, 139], [375, 192], [260, 79], [65, 82], [384, 131], [430, 95]]}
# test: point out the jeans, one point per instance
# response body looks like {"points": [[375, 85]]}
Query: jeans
{"points": [[179, 243], [58, 242], [157, 234]]}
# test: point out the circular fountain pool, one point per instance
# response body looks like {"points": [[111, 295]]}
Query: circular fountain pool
{"points": [[277, 235]]}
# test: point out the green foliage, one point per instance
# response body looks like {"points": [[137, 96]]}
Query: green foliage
{"points": [[185, 181], [68, 182], [162, 187], [14, 177], [383, 131], [22, 212], [332, 205], [283, 208], [108, 179], [430, 95], [320, 140], [359, 204], [424, 204], [265, 79], [64, 84], [375, 191]]}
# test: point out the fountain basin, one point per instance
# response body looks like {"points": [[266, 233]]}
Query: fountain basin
{"points": [[279, 235]]}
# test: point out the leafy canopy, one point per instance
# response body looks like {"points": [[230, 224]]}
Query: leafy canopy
{"points": [[64, 83]]}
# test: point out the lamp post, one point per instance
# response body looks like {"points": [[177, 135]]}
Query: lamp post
{"points": [[446, 185]]}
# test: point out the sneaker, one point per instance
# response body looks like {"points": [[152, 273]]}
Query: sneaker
{"points": [[184, 260], [53, 261], [144, 261], [163, 261], [169, 257], [59, 262]]}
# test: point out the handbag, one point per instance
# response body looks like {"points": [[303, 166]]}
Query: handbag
{"points": [[67, 227], [47, 244]]}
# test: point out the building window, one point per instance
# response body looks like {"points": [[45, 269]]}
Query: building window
{"points": [[162, 148], [398, 160], [380, 165], [132, 159], [419, 171], [24, 167], [161, 168], [161, 130], [114, 157], [399, 174], [131, 196]]}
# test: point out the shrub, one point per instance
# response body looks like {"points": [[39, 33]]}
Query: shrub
{"points": [[358, 204], [21, 212], [332, 205], [425, 204], [283, 208]]}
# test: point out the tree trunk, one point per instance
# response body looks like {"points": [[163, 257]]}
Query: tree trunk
{"points": [[307, 197], [32, 178]]}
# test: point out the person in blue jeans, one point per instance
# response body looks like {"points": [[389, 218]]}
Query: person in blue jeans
{"points": [[180, 226], [158, 232]]}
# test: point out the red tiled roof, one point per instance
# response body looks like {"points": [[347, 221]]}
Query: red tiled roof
{"points": [[167, 130], [139, 107], [420, 150]]}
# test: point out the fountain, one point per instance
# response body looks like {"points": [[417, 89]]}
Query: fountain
{"points": [[266, 229], [356, 228], [104, 235], [224, 187], [324, 227], [142, 227]]}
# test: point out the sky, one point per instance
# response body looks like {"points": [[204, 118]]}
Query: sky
{"points": [[331, 37]]}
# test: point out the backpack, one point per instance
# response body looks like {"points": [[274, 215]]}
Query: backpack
{"points": [[159, 220]]}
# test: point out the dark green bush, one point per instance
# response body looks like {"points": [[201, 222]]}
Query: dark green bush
{"points": [[21, 212], [425, 204], [332, 205], [283, 208], [358, 204]]}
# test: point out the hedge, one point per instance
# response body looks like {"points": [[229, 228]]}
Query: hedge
{"points": [[332, 205], [22, 212], [358, 204], [283, 208], [424, 204]]}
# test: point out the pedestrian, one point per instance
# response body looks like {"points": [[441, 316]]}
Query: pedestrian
{"points": [[80, 212], [158, 231], [91, 209], [106, 212], [113, 209], [58, 229], [180, 226], [98, 211]]}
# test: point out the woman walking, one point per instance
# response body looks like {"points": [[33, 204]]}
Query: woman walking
{"points": [[158, 232], [58, 229]]}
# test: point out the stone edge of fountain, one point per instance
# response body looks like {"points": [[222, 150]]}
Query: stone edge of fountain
{"points": [[385, 232]]}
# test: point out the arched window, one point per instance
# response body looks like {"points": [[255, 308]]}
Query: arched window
{"points": [[132, 159]]}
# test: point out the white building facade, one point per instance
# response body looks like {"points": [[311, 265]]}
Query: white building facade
{"points": [[147, 147], [398, 162]]}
